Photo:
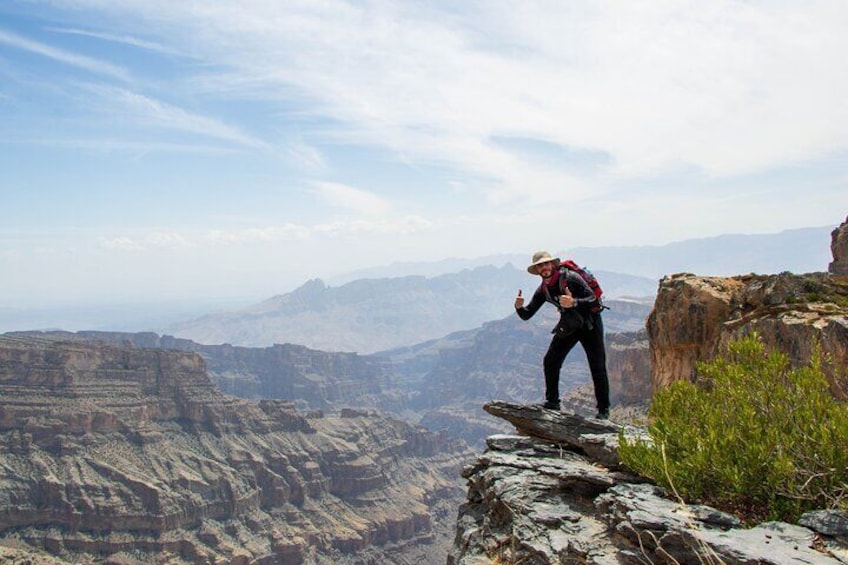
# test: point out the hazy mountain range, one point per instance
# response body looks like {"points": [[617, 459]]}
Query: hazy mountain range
{"points": [[372, 313], [799, 251], [369, 315]]}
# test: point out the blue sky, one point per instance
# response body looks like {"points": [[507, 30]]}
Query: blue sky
{"points": [[154, 149]]}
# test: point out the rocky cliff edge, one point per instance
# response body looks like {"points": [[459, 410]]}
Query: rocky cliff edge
{"points": [[555, 492], [695, 317]]}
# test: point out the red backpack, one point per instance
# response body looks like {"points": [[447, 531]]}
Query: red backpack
{"points": [[586, 275]]}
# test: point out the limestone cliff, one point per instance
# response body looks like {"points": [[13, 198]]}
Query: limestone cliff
{"points": [[315, 379], [695, 317], [129, 455], [629, 367], [839, 249], [555, 493]]}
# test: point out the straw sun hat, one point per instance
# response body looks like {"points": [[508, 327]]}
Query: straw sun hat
{"points": [[541, 257]]}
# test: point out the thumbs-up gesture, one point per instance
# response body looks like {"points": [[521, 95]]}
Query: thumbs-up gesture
{"points": [[566, 300], [519, 300]]}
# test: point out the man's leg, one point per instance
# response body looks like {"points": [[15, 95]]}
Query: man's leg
{"points": [[593, 343], [553, 361]]}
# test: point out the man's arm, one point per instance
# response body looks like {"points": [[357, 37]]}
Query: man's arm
{"points": [[526, 312]]}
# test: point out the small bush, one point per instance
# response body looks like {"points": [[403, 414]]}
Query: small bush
{"points": [[755, 437]]}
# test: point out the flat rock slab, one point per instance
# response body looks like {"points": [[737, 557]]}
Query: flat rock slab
{"points": [[598, 439]]}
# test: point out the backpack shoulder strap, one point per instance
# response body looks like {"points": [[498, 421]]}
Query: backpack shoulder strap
{"points": [[563, 276]]}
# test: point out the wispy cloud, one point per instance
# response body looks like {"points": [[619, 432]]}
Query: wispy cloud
{"points": [[148, 111], [123, 39], [350, 198], [83, 62], [727, 89], [153, 239], [121, 243], [105, 144], [385, 227], [303, 155], [287, 232]]}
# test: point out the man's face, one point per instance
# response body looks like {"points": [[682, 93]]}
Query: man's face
{"points": [[546, 269]]}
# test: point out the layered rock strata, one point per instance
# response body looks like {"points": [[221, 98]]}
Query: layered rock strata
{"points": [[440, 385], [128, 455], [556, 493], [695, 317], [315, 379]]}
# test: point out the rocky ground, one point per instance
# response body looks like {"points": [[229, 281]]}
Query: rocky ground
{"points": [[555, 492]]}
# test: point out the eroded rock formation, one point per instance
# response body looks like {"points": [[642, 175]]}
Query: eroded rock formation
{"points": [[629, 367], [315, 379], [121, 454], [839, 249], [695, 317], [441, 383], [556, 493]]}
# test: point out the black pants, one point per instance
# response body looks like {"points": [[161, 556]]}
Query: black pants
{"points": [[592, 341]]}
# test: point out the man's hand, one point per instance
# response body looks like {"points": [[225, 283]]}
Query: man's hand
{"points": [[566, 300], [519, 300]]}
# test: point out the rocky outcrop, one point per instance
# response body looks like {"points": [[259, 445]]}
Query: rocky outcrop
{"points": [[130, 455], [839, 249], [695, 317], [556, 493]]}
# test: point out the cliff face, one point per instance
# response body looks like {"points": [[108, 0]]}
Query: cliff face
{"points": [[555, 493], [839, 249], [695, 317], [629, 367], [316, 379], [440, 384], [119, 454]]}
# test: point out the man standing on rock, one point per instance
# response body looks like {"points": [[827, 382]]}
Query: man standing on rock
{"points": [[580, 321]]}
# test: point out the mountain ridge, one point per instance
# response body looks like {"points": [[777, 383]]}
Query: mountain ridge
{"points": [[805, 254], [369, 315]]}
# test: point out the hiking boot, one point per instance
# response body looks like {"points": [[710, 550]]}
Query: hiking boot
{"points": [[602, 415], [551, 405]]}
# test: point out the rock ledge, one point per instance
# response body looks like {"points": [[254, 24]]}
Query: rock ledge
{"points": [[556, 493]]}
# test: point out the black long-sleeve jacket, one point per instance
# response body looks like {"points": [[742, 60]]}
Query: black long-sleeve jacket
{"points": [[583, 296]]}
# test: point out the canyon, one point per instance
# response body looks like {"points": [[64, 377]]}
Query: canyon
{"points": [[440, 384], [116, 454], [140, 448]]}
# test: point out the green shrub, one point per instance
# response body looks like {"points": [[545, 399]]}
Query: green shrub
{"points": [[755, 437]]}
